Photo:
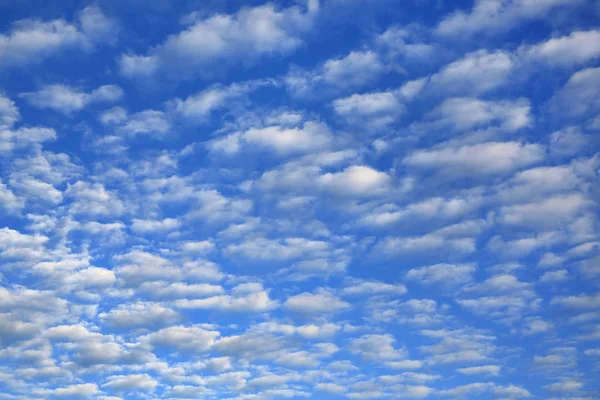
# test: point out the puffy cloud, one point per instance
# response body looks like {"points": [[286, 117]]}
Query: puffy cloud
{"points": [[377, 348], [288, 248], [222, 39], [481, 370], [148, 122], [244, 297], [82, 390], [496, 16], [333, 229], [565, 386], [198, 107], [312, 136], [9, 112], [145, 226], [371, 110], [356, 180], [442, 274], [579, 96], [89, 349], [354, 70], [139, 315], [478, 159], [373, 288], [321, 302], [14, 244], [92, 199], [466, 113], [127, 383], [577, 48], [68, 99], [32, 41], [192, 339], [475, 73], [391, 246], [564, 209], [581, 301]]}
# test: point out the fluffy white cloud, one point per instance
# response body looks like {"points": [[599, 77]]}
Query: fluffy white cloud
{"points": [[475, 73], [137, 315], [371, 110], [354, 70], [577, 48], [244, 297], [579, 96], [442, 274], [496, 16], [312, 136], [69, 99], [222, 39], [192, 339], [32, 41], [478, 159], [9, 113], [320, 302], [126, 383]]}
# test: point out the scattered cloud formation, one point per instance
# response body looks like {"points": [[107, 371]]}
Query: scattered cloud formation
{"points": [[319, 199]]}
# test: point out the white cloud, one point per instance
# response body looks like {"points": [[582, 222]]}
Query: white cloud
{"points": [[147, 122], [126, 383], [139, 315], [565, 386], [466, 113], [373, 288], [580, 95], [312, 136], [496, 16], [478, 159], [262, 249], [9, 203], [581, 301], [475, 73], [67, 99], [443, 274], [82, 390], [198, 107], [377, 348], [9, 113], [244, 298], [331, 388], [481, 370], [189, 339], [425, 244], [321, 302], [32, 41], [93, 199], [568, 142], [557, 276], [223, 39], [577, 48], [24, 138], [371, 110], [353, 70], [356, 69], [564, 209], [356, 180], [148, 226]]}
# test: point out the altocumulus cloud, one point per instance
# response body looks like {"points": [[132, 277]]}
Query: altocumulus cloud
{"points": [[315, 199]]}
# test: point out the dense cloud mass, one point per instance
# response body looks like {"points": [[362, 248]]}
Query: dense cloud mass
{"points": [[335, 199]]}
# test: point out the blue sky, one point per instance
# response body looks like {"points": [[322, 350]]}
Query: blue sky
{"points": [[336, 199]]}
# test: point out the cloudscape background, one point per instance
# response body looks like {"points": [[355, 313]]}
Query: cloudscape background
{"points": [[336, 199]]}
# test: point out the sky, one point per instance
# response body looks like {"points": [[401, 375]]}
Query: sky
{"points": [[335, 199]]}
